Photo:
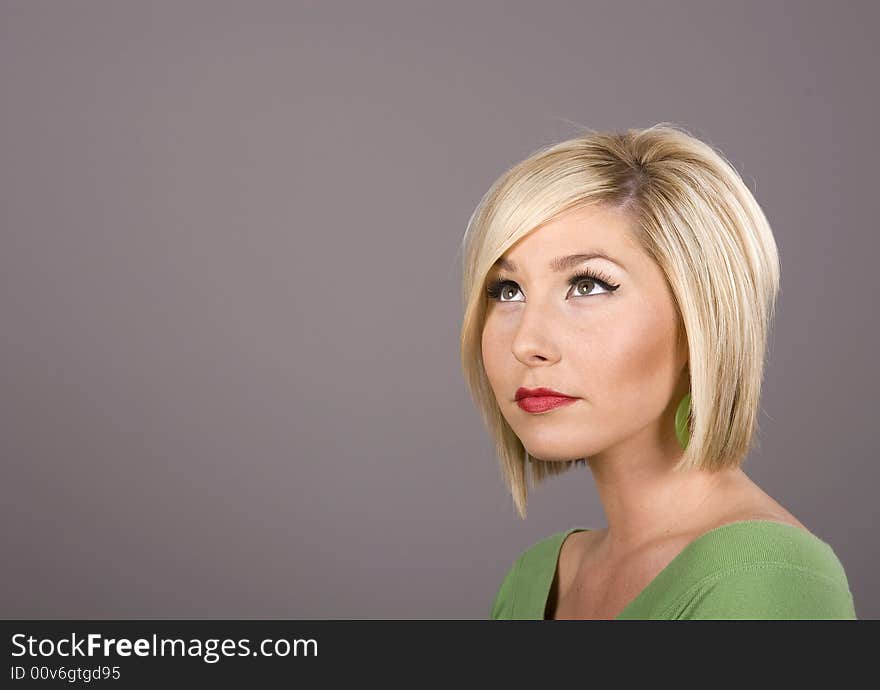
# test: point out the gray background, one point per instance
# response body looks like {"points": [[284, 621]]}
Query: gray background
{"points": [[230, 297]]}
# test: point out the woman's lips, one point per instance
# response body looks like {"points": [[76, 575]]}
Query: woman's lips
{"points": [[543, 403]]}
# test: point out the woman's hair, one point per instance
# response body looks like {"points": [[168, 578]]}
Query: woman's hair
{"points": [[694, 216]]}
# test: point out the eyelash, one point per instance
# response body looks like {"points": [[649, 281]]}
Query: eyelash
{"points": [[495, 288]]}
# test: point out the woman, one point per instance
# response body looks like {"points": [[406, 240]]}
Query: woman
{"points": [[619, 288]]}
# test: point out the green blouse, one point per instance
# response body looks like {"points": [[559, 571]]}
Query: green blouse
{"points": [[751, 569]]}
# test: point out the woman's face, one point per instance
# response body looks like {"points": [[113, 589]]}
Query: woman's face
{"points": [[614, 345]]}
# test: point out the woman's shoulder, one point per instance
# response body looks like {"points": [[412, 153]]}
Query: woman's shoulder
{"points": [[748, 542], [528, 571], [762, 568], [546, 548]]}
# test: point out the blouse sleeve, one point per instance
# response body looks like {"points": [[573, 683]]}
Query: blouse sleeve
{"points": [[769, 591]]}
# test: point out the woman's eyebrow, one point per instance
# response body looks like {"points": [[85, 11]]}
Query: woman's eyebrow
{"points": [[562, 263]]}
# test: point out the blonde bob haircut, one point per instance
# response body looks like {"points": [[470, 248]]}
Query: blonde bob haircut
{"points": [[694, 216]]}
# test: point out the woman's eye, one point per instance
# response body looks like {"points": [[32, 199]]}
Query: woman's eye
{"points": [[589, 281], [581, 286], [509, 290]]}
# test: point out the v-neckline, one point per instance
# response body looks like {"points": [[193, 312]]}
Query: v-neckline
{"points": [[648, 588]]}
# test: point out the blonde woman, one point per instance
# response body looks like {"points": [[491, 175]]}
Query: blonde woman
{"points": [[618, 292]]}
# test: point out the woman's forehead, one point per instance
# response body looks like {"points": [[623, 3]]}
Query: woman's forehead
{"points": [[573, 237]]}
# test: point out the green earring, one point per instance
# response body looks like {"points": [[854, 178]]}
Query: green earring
{"points": [[681, 421]]}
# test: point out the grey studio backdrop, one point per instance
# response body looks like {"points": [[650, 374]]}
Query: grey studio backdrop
{"points": [[230, 299]]}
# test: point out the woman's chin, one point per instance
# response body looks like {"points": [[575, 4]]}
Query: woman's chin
{"points": [[554, 455]]}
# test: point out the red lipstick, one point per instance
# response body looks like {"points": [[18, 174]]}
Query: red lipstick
{"points": [[541, 399]]}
